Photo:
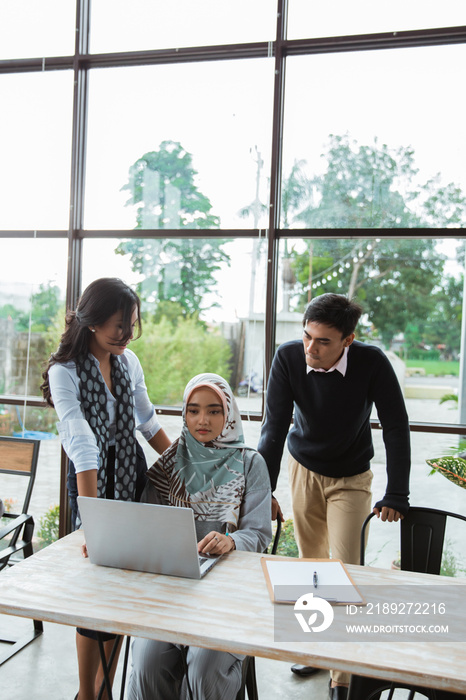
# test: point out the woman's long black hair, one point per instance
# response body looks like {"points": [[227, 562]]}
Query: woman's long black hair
{"points": [[100, 300]]}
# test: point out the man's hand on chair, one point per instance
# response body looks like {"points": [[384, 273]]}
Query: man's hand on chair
{"points": [[387, 514], [276, 510]]}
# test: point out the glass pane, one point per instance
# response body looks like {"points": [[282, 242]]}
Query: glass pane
{"points": [[412, 295], [44, 504], [35, 143], [32, 309], [137, 25], [411, 291], [340, 17], [31, 29], [179, 160], [426, 489], [203, 302], [354, 158]]}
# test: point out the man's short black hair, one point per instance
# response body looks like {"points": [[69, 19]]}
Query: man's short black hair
{"points": [[336, 311]]}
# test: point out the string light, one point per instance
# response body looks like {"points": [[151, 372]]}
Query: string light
{"points": [[332, 272]]}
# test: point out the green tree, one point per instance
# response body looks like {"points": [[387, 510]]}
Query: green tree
{"points": [[363, 187], [9, 311], [190, 351], [392, 279], [367, 187], [44, 305], [48, 526], [296, 189], [181, 271], [54, 331], [443, 327], [412, 340]]}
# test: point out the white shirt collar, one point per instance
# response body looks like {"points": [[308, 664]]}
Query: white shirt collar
{"points": [[340, 365]]}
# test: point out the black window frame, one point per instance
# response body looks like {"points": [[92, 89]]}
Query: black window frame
{"points": [[82, 62]]}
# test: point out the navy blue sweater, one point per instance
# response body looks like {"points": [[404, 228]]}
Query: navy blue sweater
{"points": [[331, 433]]}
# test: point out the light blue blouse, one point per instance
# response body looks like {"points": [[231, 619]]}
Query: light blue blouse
{"points": [[76, 435]]}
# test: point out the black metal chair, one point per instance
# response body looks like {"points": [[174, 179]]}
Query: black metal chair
{"points": [[18, 457], [422, 538], [371, 689]]}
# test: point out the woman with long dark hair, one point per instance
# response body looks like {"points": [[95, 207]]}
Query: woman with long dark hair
{"points": [[96, 385]]}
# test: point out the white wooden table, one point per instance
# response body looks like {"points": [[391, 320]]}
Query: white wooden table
{"points": [[229, 609]]}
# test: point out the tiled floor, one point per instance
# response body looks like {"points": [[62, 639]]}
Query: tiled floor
{"points": [[46, 670]]}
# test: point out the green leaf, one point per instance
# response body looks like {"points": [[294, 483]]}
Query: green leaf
{"points": [[452, 468]]}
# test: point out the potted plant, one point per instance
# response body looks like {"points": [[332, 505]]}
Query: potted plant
{"points": [[452, 468]]}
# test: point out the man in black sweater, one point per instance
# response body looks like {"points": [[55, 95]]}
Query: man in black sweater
{"points": [[332, 382]]}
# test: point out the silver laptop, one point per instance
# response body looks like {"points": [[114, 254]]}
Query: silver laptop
{"points": [[144, 537]]}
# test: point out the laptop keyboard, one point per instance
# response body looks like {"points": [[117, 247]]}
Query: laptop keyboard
{"points": [[206, 557]]}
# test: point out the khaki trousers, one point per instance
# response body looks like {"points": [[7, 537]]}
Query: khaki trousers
{"points": [[328, 514]]}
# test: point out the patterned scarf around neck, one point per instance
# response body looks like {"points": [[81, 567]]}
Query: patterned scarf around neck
{"points": [[93, 394], [209, 478]]}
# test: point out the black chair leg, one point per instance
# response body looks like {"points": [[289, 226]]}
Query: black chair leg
{"points": [[248, 680], [241, 694], [362, 688], [38, 627], [15, 645], [125, 667], [107, 667], [251, 680]]}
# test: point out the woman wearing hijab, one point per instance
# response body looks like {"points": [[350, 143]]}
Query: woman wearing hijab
{"points": [[210, 470]]}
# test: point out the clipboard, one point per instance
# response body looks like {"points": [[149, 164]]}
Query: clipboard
{"points": [[287, 579]]}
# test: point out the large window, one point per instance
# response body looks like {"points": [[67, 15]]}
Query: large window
{"points": [[231, 160], [339, 18], [411, 291], [32, 305], [31, 29], [138, 25], [203, 318], [362, 140], [179, 146], [35, 146]]}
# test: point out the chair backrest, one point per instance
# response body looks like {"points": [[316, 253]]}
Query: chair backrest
{"points": [[19, 456], [276, 536], [422, 537]]}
